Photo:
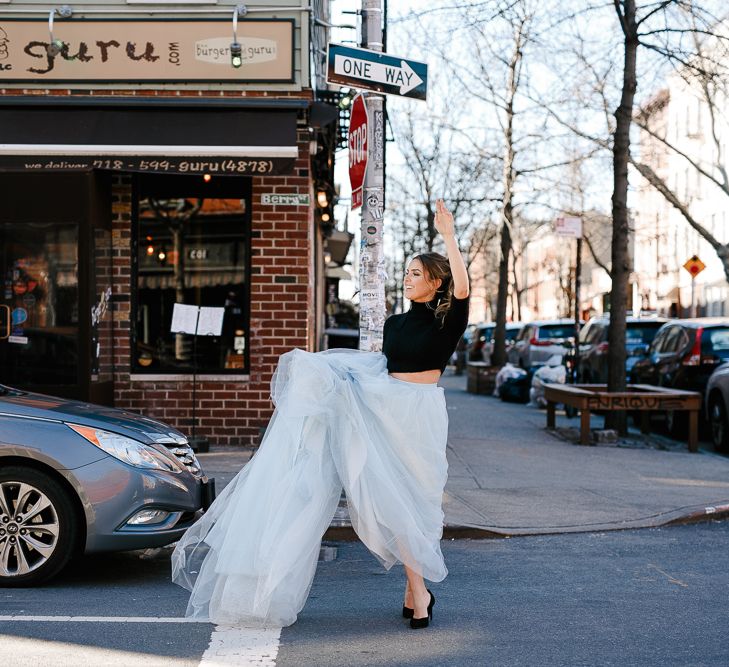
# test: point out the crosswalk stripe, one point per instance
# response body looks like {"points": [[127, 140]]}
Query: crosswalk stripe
{"points": [[243, 647], [229, 645]]}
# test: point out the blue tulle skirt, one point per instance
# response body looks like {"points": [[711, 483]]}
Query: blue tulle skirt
{"points": [[341, 422]]}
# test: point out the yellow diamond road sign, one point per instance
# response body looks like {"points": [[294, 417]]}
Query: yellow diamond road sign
{"points": [[694, 266]]}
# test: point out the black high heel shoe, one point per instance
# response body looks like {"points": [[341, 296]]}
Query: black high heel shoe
{"points": [[418, 623]]}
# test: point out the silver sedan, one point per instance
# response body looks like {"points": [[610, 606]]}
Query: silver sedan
{"points": [[81, 478]]}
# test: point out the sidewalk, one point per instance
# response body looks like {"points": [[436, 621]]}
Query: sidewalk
{"points": [[509, 476]]}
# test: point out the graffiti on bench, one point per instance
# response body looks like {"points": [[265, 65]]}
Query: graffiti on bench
{"points": [[636, 403]]}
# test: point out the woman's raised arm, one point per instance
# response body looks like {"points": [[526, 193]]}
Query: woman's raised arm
{"points": [[446, 228]]}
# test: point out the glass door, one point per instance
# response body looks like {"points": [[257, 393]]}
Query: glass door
{"points": [[39, 307]]}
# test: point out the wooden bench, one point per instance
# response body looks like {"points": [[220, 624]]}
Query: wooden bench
{"points": [[642, 397]]}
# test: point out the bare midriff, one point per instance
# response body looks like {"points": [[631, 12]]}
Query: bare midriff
{"points": [[421, 377]]}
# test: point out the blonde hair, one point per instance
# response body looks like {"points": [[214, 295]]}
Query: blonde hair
{"points": [[437, 267]]}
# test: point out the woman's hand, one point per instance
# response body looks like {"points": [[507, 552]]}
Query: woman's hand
{"points": [[444, 219]]}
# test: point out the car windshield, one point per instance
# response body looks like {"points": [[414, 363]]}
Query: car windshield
{"points": [[556, 331], [716, 342], [642, 333]]}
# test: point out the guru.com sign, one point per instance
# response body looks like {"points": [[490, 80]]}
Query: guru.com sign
{"points": [[4, 53], [144, 50]]}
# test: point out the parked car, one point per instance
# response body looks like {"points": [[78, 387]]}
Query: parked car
{"points": [[538, 341], [717, 407], [460, 354], [683, 355], [593, 349], [477, 336], [512, 331], [81, 478]]}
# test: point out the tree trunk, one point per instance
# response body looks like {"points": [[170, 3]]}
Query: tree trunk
{"points": [[498, 357], [620, 259]]}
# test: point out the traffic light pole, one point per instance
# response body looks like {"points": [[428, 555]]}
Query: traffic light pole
{"points": [[372, 273]]}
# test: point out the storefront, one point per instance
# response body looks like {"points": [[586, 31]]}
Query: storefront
{"points": [[120, 203]]}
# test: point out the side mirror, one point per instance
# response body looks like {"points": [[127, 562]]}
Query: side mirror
{"points": [[641, 350]]}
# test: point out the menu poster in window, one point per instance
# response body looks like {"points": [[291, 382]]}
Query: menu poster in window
{"points": [[211, 321], [184, 319], [200, 320]]}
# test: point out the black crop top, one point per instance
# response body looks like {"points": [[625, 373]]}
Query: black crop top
{"points": [[414, 341]]}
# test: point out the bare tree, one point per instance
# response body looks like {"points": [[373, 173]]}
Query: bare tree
{"points": [[660, 28], [663, 32], [499, 37], [434, 165]]}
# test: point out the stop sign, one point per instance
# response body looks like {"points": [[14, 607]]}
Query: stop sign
{"points": [[357, 143]]}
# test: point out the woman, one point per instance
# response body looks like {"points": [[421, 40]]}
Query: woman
{"points": [[373, 424]]}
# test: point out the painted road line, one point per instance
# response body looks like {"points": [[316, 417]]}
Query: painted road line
{"points": [[98, 619], [229, 645], [252, 647]]}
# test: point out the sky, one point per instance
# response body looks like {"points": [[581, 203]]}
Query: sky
{"points": [[597, 30]]}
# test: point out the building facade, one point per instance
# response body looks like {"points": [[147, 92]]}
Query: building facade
{"points": [[681, 116], [165, 169], [542, 273]]}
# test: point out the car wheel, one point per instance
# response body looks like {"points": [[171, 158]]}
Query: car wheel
{"points": [[719, 425], [39, 529]]}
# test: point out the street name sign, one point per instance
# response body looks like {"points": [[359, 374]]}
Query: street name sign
{"points": [[289, 199], [570, 226], [372, 70], [357, 143]]}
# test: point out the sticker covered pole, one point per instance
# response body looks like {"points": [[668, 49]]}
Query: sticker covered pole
{"points": [[372, 274]]}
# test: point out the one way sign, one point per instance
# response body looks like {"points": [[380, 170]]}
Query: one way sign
{"points": [[372, 70]]}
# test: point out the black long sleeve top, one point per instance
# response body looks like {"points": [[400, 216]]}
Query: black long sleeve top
{"points": [[414, 341]]}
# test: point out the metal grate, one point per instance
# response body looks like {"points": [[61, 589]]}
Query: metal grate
{"points": [[187, 457]]}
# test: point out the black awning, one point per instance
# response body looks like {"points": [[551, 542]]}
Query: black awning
{"points": [[160, 136]]}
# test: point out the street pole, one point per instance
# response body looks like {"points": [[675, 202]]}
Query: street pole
{"points": [[578, 282], [372, 272]]}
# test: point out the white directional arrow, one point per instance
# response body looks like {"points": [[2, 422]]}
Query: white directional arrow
{"points": [[402, 76]]}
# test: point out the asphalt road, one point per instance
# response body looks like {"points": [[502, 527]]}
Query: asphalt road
{"points": [[644, 597]]}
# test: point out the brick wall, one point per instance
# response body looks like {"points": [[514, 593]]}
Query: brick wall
{"points": [[229, 412]]}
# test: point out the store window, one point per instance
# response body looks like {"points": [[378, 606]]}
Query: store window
{"points": [[39, 304], [192, 247]]}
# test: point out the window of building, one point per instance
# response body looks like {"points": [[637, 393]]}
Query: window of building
{"points": [[192, 240]]}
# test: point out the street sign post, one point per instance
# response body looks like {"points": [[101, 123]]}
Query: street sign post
{"points": [[371, 70], [571, 226], [358, 148], [694, 266]]}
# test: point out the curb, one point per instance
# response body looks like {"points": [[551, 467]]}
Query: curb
{"points": [[347, 534], [711, 513], [454, 532]]}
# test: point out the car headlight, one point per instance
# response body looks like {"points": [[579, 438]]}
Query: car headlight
{"points": [[126, 449]]}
